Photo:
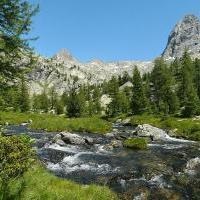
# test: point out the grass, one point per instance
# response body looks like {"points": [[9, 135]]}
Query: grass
{"points": [[39, 184], [187, 128], [135, 143], [57, 123]]}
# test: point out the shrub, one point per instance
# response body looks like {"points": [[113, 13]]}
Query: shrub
{"points": [[135, 143], [16, 156]]}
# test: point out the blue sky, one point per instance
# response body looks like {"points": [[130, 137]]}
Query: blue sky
{"points": [[108, 30]]}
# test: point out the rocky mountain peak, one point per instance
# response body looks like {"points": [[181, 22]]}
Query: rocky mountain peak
{"points": [[64, 56], [185, 35]]}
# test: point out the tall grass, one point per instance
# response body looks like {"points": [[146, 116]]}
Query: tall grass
{"points": [[39, 184], [57, 123]]}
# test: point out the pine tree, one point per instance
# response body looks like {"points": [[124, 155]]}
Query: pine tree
{"points": [[197, 76], [164, 93], [24, 101], [187, 93], [44, 101], [75, 100], [138, 101], [15, 23], [53, 97]]}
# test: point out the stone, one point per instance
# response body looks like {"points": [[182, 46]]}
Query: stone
{"points": [[146, 130], [116, 143], [110, 135], [70, 138], [89, 140], [185, 35], [60, 142], [126, 122], [192, 164], [119, 121], [125, 85]]}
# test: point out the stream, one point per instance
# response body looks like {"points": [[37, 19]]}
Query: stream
{"points": [[166, 170]]}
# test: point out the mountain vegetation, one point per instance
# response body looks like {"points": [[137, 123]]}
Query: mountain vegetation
{"points": [[160, 97]]}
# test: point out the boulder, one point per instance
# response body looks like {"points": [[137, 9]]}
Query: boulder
{"points": [[146, 130], [110, 135], [60, 142], [126, 122], [116, 143], [192, 165], [88, 140], [70, 138]]}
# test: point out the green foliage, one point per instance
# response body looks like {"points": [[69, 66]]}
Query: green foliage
{"points": [[90, 125], [24, 102], [135, 143], [197, 76], [41, 102], [75, 100], [138, 101], [39, 184], [16, 156], [187, 92], [118, 105], [15, 22], [57, 123], [164, 95]]}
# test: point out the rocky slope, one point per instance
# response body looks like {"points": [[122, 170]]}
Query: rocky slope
{"points": [[185, 35], [59, 70]]}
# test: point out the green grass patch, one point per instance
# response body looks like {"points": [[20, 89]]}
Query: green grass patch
{"points": [[39, 184], [187, 128], [57, 123], [135, 143]]}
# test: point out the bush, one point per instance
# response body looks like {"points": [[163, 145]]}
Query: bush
{"points": [[136, 143], [16, 156]]}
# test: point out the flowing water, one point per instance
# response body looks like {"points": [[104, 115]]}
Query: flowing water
{"points": [[167, 170]]}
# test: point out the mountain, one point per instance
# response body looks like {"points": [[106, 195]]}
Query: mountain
{"points": [[185, 35], [59, 70]]}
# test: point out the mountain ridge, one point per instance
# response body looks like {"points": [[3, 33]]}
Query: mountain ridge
{"points": [[59, 70]]}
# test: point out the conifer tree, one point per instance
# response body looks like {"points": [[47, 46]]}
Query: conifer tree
{"points": [[44, 101], [138, 100], [197, 76], [164, 94], [15, 22], [24, 100], [187, 93], [76, 100]]}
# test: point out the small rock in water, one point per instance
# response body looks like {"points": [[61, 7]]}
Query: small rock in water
{"points": [[116, 143], [126, 122], [141, 196], [191, 165], [119, 121], [89, 140], [110, 135], [60, 142]]}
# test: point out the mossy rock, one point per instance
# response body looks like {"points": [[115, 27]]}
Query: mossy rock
{"points": [[135, 143]]}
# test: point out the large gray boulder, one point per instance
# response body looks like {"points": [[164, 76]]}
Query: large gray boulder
{"points": [[70, 138], [146, 130]]}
